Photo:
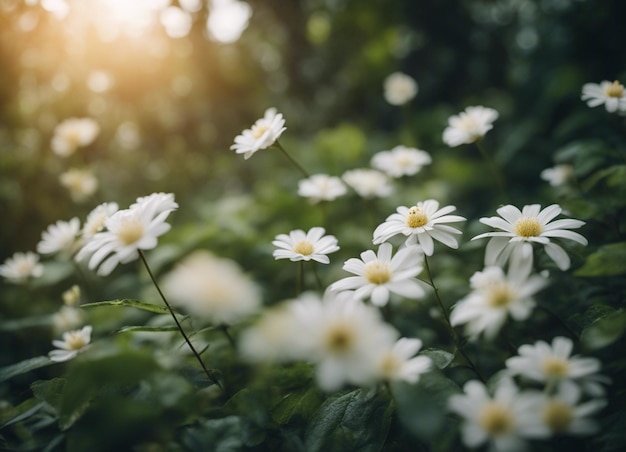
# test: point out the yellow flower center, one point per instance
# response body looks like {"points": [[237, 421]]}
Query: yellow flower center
{"points": [[74, 340], [495, 419], [528, 227], [500, 295], [389, 366], [340, 338], [377, 272], [557, 415], [555, 367], [25, 267], [130, 232], [73, 138], [416, 217], [615, 89], [258, 130], [303, 247]]}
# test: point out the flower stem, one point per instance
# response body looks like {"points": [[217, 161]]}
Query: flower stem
{"points": [[451, 330], [290, 158], [299, 278], [208, 372], [317, 277], [231, 341], [492, 166]]}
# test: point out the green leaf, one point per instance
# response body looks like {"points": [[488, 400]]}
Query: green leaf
{"points": [[131, 329], [26, 322], [609, 260], [49, 391], [23, 411], [441, 359], [300, 404], [130, 304], [357, 420], [605, 330], [223, 435], [24, 366]]}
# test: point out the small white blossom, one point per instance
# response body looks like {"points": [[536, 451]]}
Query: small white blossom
{"points": [[305, 246], [611, 95], [469, 126], [73, 133], [378, 275], [21, 267], [66, 318], [401, 161], [261, 135], [399, 88], [73, 342], [368, 183], [71, 297], [400, 363], [321, 187], [520, 229], [61, 237], [96, 219], [421, 223], [80, 183], [558, 175]]}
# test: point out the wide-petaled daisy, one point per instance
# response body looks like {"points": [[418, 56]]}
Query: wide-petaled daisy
{"points": [[504, 420], [261, 135], [380, 274], [401, 161], [128, 231], [421, 223], [400, 363], [21, 267], [321, 187], [469, 126], [305, 246], [519, 229], [399, 88], [73, 342], [558, 175], [496, 295], [73, 133], [610, 94], [546, 363], [61, 237], [368, 183]]}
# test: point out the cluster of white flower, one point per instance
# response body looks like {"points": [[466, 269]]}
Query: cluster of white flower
{"points": [[21, 267]]}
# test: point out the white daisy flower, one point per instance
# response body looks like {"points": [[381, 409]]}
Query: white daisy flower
{"points": [[61, 237], [380, 274], [469, 126], [558, 175], [553, 363], [421, 224], [305, 246], [66, 318], [495, 296], [128, 231], [21, 267], [97, 217], [73, 342], [401, 161], [212, 288], [80, 183], [504, 420], [73, 133], [261, 135], [400, 363], [321, 187], [368, 183], [612, 95], [519, 230], [399, 88], [156, 203]]}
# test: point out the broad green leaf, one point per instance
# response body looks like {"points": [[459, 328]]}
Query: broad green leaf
{"points": [[130, 304], [150, 329], [441, 359], [609, 260], [49, 391], [24, 366], [23, 411], [605, 330], [223, 435], [357, 420], [298, 404]]}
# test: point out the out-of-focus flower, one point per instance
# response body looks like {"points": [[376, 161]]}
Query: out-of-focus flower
{"points": [[127, 232], [495, 296], [212, 288], [558, 175], [379, 275], [21, 267], [520, 229], [611, 95], [469, 126], [421, 224], [73, 133], [321, 187], [228, 19], [97, 217], [504, 420], [261, 135], [401, 161], [61, 237], [305, 246], [368, 183], [66, 318], [400, 363], [71, 297], [81, 183], [73, 342], [399, 88]]}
